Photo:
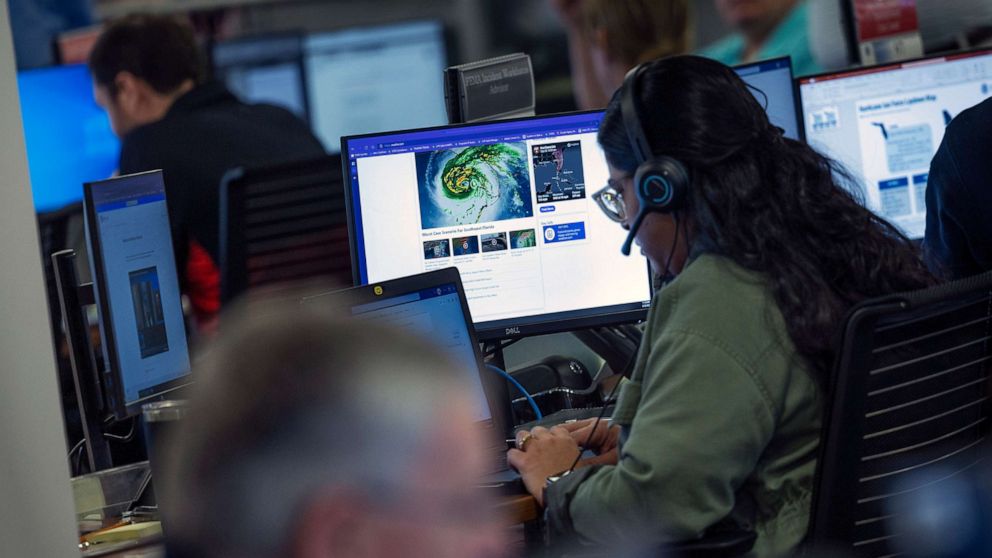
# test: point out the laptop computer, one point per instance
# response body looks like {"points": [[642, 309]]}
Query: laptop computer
{"points": [[433, 305]]}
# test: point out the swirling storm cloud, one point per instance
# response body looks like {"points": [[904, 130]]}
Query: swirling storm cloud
{"points": [[479, 184]]}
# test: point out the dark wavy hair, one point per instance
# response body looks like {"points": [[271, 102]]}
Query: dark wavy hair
{"points": [[771, 204]]}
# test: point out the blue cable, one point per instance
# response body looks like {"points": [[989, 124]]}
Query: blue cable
{"points": [[512, 380]]}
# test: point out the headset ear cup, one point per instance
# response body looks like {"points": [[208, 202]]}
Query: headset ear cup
{"points": [[662, 185]]}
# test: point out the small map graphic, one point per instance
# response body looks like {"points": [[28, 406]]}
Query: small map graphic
{"points": [[558, 172]]}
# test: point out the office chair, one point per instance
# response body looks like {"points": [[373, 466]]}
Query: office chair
{"points": [[283, 223], [908, 409]]}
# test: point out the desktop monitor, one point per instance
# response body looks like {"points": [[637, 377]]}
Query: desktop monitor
{"points": [[136, 289], [771, 83], [884, 125], [68, 137], [510, 205], [264, 69], [375, 79]]}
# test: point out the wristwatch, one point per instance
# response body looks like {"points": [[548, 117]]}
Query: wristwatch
{"points": [[550, 481]]}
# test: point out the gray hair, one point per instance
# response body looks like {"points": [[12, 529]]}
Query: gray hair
{"points": [[288, 400]]}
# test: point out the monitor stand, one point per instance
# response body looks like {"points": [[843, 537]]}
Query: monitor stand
{"points": [[73, 299]]}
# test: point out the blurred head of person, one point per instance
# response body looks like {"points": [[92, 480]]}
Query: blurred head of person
{"points": [[309, 436], [755, 18], [626, 33], [140, 65], [770, 204]]}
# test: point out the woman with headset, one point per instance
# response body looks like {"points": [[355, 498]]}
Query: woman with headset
{"points": [[720, 420]]}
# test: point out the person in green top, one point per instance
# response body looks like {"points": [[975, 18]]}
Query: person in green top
{"points": [[765, 29], [720, 419]]}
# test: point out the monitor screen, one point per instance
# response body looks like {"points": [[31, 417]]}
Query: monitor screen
{"points": [[434, 313], [368, 80], [773, 78], [137, 289], [884, 125], [266, 69], [510, 205], [68, 137]]}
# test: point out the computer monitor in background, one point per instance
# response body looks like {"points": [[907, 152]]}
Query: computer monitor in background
{"points": [[136, 289], [68, 137], [264, 69], [510, 205], [884, 125], [773, 78], [375, 79]]}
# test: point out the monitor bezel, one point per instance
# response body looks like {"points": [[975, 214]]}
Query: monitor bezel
{"points": [[546, 323], [494, 387], [111, 376], [794, 83], [886, 66]]}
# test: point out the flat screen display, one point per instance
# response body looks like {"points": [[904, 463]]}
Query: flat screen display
{"points": [[771, 83], [367, 80], [507, 203], [884, 125], [68, 136], [137, 288]]}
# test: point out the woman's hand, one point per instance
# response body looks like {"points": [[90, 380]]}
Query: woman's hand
{"points": [[604, 440], [540, 454]]}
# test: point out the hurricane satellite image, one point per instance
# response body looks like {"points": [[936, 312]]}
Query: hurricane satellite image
{"points": [[479, 184], [558, 172]]}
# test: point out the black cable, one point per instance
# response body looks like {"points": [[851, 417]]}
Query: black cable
{"points": [[499, 346], [126, 437], [623, 373]]}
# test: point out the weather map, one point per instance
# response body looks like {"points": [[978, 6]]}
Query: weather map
{"points": [[479, 184], [558, 172]]}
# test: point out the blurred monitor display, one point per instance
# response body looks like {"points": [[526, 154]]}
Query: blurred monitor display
{"points": [[68, 137], [137, 290], [264, 69], [367, 80], [510, 204], [773, 78], [884, 125]]}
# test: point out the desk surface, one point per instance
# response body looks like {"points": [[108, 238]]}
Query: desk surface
{"points": [[519, 509], [516, 510]]}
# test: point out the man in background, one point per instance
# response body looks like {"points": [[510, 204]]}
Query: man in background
{"points": [[309, 437], [958, 240], [765, 29], [150, 76]]}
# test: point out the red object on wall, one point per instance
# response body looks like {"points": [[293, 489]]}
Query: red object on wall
{"points": [[878, 19]]}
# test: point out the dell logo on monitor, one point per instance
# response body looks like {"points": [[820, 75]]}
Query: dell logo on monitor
{"points": [[512, 331]]}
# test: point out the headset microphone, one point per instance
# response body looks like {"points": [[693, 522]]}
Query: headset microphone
{"points": [[641, 214]]}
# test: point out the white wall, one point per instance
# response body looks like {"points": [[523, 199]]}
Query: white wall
{"points": [[36, 512]]}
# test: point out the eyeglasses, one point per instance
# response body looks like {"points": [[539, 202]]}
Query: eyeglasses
{"points": [[610, 200]]}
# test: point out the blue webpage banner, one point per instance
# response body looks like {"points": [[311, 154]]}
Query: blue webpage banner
{"points": [[564, 233]]}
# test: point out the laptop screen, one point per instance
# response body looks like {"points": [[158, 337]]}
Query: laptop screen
{"points": [[434, 313]]}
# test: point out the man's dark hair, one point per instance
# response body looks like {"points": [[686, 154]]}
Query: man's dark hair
{"points": [[158, 49]]}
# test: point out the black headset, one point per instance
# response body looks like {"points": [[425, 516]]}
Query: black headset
{"points": [[660, 182]]}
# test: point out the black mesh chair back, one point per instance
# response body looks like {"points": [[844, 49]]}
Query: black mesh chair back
{"points": [[909, 408], [283, 223]]}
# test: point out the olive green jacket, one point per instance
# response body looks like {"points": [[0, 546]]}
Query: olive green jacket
{"points": [[719, 422]]}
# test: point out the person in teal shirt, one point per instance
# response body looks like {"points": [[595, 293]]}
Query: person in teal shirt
{"points": [[765, 29]]}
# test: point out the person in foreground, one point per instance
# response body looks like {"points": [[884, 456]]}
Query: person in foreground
{"points": [[719, 423], [309, 437]]}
